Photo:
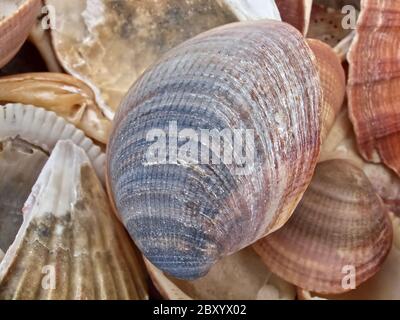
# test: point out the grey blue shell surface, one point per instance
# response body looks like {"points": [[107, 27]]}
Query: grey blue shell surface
{"points": [[187, 201]]}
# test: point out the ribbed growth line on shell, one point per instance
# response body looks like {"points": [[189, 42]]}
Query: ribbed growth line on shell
{"points": [[255, 77]]}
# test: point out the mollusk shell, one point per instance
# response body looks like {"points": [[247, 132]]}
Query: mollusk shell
{"points": [[65, 95], [340, 223], [241, 275], [385, 285], [296, 12], [15, 26], [43, 129], [333, 83], [70, 233], [184, 215], [341, 144], [374, 81], [20, 165], [108, 44]]}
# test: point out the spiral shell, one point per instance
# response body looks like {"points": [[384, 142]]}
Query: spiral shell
{"points": [[373, 82], [340, 226], [188, 210], [70, 244], [16, 19], [241, 275]]}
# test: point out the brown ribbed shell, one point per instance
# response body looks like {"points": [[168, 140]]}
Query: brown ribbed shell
{"points": [[339, 222], [70, 244], [15, 27], [333, 83], [186, 215], [374, 82], [296, 12]]}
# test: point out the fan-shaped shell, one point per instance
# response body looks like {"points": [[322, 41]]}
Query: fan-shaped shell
{"points": [[340, 226], [258, 78], [239, 276], [67, 96], [385, 285], [43, 129], [374, 81], [70, 244], [108, 44], [16, 19]]}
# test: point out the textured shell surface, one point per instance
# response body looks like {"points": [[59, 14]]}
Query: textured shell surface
{"points": [[296, 12], [108, 43], [333, 83], [16, 19], [373, 94], [67, 96], [341, 144], [241, 275], [385, 285], [70, 231], [340, 226], [20, 165], [187, 212], [43, 129]]}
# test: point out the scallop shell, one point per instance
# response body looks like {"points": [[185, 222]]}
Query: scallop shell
{"points": [[296, 12], [385, 285], [16, 19], [70, 236], [43, 129], [373, 82], [341, 144], [108, 44], [258, 78], [67, 96], [240, 276], [20, 165], [340, 225], [333, 83]]}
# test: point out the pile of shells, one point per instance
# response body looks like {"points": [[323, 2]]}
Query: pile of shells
{"points": [[199, 149]]}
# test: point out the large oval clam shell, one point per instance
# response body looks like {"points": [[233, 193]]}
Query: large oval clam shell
{"points": [[385, 285], [16, 19], [340, 224], [108, 44], [44, 128], [239, 276], [373, 84], [253, 77], [70, 245]]}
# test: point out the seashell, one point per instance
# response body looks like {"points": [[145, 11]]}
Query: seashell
{"points": [[258, 78], [341, 144], [326, 24], [296, 12], [340, 226], [20, 165], [67, 96], [108, 44], [43, 129], [16, 19], [333, 83], [385, 285], [239, 276], [373, 81], [70, 235]]}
